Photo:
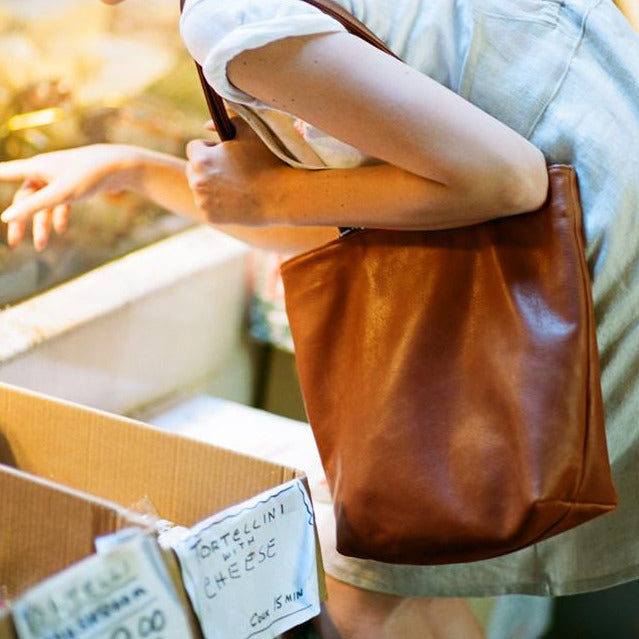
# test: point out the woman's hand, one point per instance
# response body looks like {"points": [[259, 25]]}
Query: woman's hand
{"points": [[227, 176], [234, 182], [51, 182]]}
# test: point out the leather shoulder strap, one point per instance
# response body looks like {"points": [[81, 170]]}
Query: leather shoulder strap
{"points": [[350, 23], [221, 119]]}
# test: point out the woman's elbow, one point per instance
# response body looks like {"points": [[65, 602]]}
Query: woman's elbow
{"points": [[503, 186], [525, 185]]}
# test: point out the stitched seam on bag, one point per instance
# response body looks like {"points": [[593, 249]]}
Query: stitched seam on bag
{"points": [[583, 270]]}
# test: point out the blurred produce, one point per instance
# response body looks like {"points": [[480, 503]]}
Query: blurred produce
{"points": [[76, 72]]}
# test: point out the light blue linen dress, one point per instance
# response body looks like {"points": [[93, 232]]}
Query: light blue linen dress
{"points": [[565, 74]]}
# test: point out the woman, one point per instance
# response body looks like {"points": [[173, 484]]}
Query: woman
{"points": [[552, 83], [631, 10]]}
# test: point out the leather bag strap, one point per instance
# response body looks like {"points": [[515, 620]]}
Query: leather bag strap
{"points": [[221, 119]]}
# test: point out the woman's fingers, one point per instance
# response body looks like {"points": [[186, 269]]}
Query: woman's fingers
{"points": [[15, 233], [15, 170], [47, 197], [17, 229], [29, 194], [197, 152], [27, 188], [61, 214], [41, 229]]}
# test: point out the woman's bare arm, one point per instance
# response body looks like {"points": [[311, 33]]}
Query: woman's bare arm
{"points": [[54, 181], [445, 162], [472, 165], [162, 179]]}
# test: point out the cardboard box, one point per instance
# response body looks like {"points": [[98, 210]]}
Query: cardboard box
{"points": [[69, 474]]}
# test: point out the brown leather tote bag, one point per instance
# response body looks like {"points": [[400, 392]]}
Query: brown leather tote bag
{"points": [[451, 379]]}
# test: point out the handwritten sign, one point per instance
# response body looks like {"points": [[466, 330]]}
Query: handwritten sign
{"points": [[125, 593], [251, 570]]}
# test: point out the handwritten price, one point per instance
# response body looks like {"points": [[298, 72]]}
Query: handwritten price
{"points": [[148, 626]]}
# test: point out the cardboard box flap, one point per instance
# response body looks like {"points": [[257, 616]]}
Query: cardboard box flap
{"points": [[104, 455], [69, 474], [50, 525]]}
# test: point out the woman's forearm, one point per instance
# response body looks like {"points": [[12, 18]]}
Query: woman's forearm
{"points": [[381, 196], [242, 182], [162, 179]]}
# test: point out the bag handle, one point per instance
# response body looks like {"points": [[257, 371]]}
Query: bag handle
{"points": [[221, 119]]}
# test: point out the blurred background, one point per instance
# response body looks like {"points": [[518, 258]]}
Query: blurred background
{"points": [[77, 72]]}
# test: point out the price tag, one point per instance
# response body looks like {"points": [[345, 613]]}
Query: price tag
{"points": [[125, 593], [251, 570]]}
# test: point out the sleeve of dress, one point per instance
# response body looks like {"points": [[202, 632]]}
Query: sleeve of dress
{"points": [[215, 32]]}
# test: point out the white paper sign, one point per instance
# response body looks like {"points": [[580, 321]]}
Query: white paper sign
{"points": [[251, 570], [125, 593]]}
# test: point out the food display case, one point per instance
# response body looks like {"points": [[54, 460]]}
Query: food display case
{"points": [[130, 305], [77, 72]]}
